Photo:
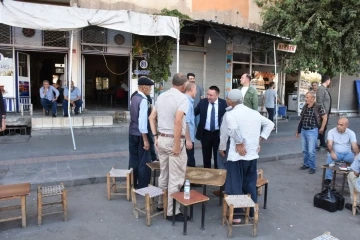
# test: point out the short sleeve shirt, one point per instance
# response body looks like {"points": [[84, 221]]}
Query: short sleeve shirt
{"points": [[270, 97], [309, 118], [166, 106], [355, 166], [342, 141]]}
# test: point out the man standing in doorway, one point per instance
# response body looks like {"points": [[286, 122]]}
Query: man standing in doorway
{"points": [[190, 93], [211, 111], [47, 98], [75, 99], [138, 134], [199, 94], [170, 110], [250, 95], [323, 98], [312, 115]]}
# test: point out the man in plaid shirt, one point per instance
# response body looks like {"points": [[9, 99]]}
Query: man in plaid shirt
{"points": [[313, 117]]}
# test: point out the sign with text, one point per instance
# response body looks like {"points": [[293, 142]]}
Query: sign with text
{"points": [[286, 47]]}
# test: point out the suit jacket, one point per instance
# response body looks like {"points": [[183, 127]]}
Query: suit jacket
{"points": [[323, 97], [201, 109]]}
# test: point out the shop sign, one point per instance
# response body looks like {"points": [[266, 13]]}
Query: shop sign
{"points": [[143, 64], [286, 47], [141, 72]]}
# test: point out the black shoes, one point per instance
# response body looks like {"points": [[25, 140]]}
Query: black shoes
{"points": [[47, 113], [159, 209], [348, 206], [76, 113], [54, 115], [304, 167], [66, 115], [312, 171], [327, 182], [178, 217]]}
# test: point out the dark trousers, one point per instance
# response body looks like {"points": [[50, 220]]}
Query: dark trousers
{"points": [[78, 104], [191, 157], [322, 136], [46, 103], [271, 112], [241, 178], [210, 145], [152, 145], [137, 161]]}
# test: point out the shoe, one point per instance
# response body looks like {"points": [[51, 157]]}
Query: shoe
{"points": [[76, 113], [327, 182], [217, 193], [47, 113], [159, 209], [318, 148], [304, 167], [348, 206], [54, 115], [312, 171], [66, 115], [178, 217]]}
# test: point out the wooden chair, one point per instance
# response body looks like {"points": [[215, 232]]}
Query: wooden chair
{"points": [[149, 193], [14, 191], [112, 188], [260, 183], [231, 202], [51, 191], [355, 205]]}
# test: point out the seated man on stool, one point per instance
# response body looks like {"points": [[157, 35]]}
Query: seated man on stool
{"points": [[354, 182], [340, 141], [48, 98], [75, 98]]}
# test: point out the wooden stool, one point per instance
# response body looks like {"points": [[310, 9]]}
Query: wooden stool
{"points": [[14, 191], [262, 182], [195, 198], [50, 191], [239, 201], [260, 174], [117, 173], [154, 166], [149, 193], [355, 205]]}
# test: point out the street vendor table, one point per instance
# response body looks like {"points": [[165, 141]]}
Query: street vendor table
{"points": [[207, 176]]}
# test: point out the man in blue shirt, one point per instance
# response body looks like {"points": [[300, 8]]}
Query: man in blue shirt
{"points": [[190, 93], [75, 99], [139, 145], [48, 95]]}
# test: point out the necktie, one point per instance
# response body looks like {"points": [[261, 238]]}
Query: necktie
{"points": [[212, 118]]}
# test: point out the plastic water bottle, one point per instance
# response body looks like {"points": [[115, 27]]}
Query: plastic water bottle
{"points": [[187, 189]]}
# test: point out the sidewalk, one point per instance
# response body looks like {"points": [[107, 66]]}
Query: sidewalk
{"points": [[49, 159]]}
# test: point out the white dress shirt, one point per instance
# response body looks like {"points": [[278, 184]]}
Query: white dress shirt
{"points": [[208, 116], [224, 131], [246, 126]]}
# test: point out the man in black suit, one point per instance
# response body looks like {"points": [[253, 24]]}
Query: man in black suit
{"points": [[211, 110]]}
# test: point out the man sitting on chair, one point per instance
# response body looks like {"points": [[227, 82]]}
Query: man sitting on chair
{"points": [[354, 182], [75, 98], [47, 97], [340, 142]]}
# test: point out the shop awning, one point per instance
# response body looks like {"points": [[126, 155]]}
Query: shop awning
{"points": [[59, 18]]}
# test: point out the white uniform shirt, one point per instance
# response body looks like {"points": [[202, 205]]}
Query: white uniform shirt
{"points": [[246, 126]]}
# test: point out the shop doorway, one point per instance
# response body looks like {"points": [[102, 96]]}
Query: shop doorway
{"points": [[105, 82], [35, 67]]}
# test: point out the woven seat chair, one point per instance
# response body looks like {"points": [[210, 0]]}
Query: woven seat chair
{"points": [[51, 191], [112, 188], [231, 202], [149, 193]]}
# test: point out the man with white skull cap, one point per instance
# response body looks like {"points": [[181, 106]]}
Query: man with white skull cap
{"points": [[246, 129]]}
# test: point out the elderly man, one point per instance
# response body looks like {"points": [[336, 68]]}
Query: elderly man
{"points": [[246, 129], [313, 117], [190, 93], [138, 134], [170, 110], [340, 141], [48, 97], [75, 99], [354, 182], [323, 98], [199, 95], [251, 98]]}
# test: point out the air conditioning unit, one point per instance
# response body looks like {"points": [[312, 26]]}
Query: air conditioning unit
{"points": [[195, 40]]}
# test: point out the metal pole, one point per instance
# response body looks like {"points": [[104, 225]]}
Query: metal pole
{"points": [[177, 53], [69, 86], [276, 88], [338, 103]]}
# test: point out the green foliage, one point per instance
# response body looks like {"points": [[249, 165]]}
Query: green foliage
{"points": [[159, 48], [326, 32]]}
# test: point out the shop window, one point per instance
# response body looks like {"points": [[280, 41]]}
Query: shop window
{"points": [[241, 57], [92, 37], [23, 65], [259, 57], [55, 38], [192, 39], [5, 34]]}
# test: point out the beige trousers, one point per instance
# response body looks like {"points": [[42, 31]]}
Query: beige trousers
{"points": [[352, 181], [172, 170]]}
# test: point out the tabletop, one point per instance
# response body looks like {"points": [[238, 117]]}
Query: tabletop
{"points": [[195, 197], [206, 176]]}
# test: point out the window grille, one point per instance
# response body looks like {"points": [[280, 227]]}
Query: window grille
{"points": [[5, 34], [55, 38], [94, 35]]}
